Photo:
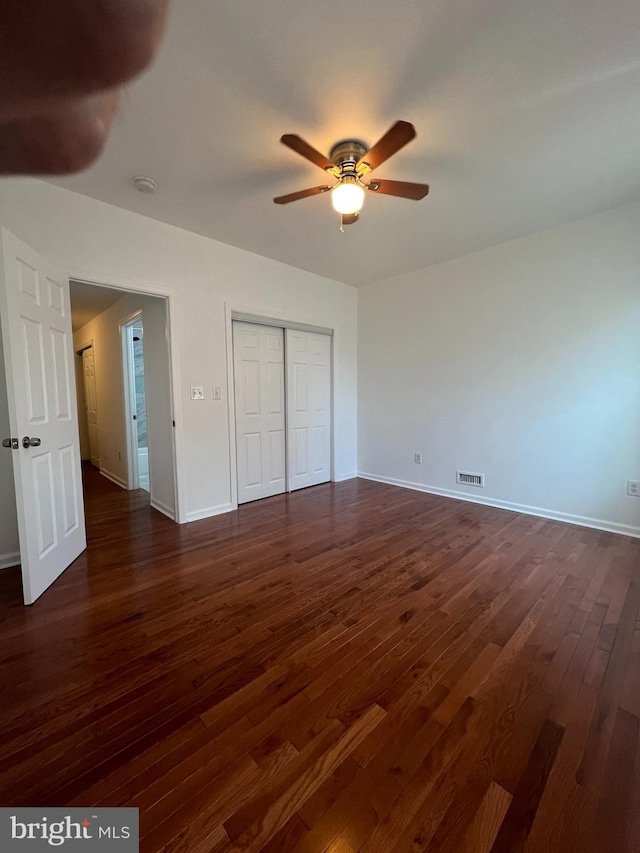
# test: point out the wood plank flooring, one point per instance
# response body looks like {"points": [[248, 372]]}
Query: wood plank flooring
{"points": [[354, 667]]}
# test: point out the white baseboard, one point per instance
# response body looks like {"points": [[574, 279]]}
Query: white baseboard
{"points": [[114, 478], [210, 512], [163, 508], [7, 561], [540, 512], [350, 475]]}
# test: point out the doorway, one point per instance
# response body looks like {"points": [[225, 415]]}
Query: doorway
{"points": [[136, 403], [91, 404], [283, 411], [123, 335]]}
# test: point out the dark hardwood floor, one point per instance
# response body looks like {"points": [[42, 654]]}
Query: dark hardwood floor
{"points": [[351, 668]]}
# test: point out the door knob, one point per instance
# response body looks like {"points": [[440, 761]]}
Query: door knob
{"points": [[11, 443], [30, 442]]}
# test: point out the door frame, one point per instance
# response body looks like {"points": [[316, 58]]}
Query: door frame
{"points": [[131, 429], [266, 318], [149, 288]]}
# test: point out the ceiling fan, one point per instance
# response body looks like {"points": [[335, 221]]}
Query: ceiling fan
{"points": [[350, 162]]}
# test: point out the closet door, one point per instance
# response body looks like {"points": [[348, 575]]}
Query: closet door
{"points": [[258, 367], [308, 408]]}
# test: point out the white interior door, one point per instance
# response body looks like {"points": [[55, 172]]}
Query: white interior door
{"points": [[308, 408], [37, 342], [258, 369], [91, 400]]}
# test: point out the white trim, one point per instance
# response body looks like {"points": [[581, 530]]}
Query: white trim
{"points": [[540, 512], [114, 478], [163, 508], [151, 288], [8, 561], [88, 344], [210, 512], [287, 413], [231, 412], [332, 392], [261, 320], [131, 318], [283, 318], [350, 475]]}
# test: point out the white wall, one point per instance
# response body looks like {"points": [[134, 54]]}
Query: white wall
{"points": [[522, 362], [97, 242], [104, 332], [9, 543]]}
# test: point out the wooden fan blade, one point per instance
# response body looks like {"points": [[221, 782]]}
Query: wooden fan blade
{"points": [[402, 189], [350, 218], [297, 144], [394, 139], [285, 199]]}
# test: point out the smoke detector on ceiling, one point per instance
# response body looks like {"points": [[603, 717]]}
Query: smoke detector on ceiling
{"points": [[145, 185]]}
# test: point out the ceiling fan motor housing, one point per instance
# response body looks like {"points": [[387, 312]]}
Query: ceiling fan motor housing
{"points": [[346, 155]]}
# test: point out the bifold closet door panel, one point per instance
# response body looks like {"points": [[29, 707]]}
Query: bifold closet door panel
{"points": [[258, 369], [308, 359]]}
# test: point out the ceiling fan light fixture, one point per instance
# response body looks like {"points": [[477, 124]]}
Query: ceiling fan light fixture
{"points": [[347, 196], [351, 162]]}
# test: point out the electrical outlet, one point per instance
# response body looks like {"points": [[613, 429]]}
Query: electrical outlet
{"points": [[197, 392], [417, 458], [217, 391], [633, 488]]}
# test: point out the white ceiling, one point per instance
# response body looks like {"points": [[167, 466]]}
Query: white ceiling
{"points": [[528, 115], [89, 300]]}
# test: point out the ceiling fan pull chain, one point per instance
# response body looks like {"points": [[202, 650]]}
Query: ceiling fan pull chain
{"points": [[341, 225]]}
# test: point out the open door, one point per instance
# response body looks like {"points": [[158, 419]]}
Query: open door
{"points": [[135, 400], [38, 351]]}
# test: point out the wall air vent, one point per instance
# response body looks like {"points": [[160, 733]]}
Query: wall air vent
{"points": [[468, 479]]}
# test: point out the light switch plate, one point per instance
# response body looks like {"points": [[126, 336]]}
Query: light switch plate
{"points": [[197, 392], [217, 392]]}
